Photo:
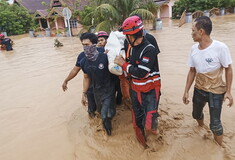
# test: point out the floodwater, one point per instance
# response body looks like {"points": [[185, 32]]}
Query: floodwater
{"points": [[38, 121]]}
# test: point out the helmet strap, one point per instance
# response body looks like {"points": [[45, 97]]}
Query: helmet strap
{"points": [[132, 44]]}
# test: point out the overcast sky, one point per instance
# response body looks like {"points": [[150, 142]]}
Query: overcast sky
{"points": [[10, 1]]}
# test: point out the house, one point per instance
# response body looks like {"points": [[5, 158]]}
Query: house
{"points": [[49, 13], [165, 8]]}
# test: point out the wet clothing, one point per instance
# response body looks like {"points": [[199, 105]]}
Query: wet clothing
{"points": [[209, 86], [117, 82], [200, 98], [143, 67], [102, 83], [145, 87], [7, 43], [124, 82], [211, 81], [118, 90], [2, 46], [90, 95]]}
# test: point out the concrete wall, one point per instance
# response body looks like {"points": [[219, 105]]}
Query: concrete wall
{"points": [[166, 9]]}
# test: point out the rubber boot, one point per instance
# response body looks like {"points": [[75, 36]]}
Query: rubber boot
{"points": [[107, 124]]}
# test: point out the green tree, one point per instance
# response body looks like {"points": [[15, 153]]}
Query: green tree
{"points": [[109, 14], [192, 6], [14, 19]]}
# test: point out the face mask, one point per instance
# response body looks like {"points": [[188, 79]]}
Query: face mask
{"points": [[91, 52]]}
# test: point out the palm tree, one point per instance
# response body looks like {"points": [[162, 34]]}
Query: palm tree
{"points": [[109, 14]]}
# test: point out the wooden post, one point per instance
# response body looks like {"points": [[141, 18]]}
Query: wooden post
{"points": [[48, 23], [159, 13], [56, 25], [40, 23], [65, 23]]}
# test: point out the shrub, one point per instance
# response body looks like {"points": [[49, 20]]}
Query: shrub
{"points": [[14, 19]]}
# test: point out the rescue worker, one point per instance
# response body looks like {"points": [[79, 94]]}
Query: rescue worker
{"points": [[74, 72], [102, 41], [97, 75], [102, 38], [6, 43], [124, 79], [145, 78], [2, 47]]}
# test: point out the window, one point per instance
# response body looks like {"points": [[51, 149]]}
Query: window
{"points": [[73, 23]]}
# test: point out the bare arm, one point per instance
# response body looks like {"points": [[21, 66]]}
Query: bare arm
{"points": [[229, 79], [71, 75], [189, 82], [86, 84]]}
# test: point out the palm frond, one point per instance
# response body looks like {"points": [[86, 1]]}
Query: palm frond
{"points": [[87, 20], [105, 26], [85, 29], [146, 15], [151, 6], [105, 12]]}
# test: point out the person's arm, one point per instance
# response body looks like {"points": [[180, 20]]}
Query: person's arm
{"points": [[86, 84], [229, 79], [11, 42], [145, 64], [71, 75], [153, 41], [189, 82]]}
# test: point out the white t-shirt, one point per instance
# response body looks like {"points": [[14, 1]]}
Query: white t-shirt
{"points": [[210, 58]]}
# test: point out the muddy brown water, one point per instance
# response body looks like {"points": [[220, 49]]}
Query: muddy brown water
{"points": [[38, 121]]}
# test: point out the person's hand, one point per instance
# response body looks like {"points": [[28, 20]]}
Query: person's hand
{"points": [[64, 86], [230, 98], [84, 99], [119, 60], [185, 98], [106, 51]]}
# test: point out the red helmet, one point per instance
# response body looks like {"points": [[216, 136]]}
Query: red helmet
{"points": [[132, 25], [102, 34], [1, 35]]}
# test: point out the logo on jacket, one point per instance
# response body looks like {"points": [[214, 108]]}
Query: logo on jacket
{"points": [[145, 59], [101, 66], [209, 60]]}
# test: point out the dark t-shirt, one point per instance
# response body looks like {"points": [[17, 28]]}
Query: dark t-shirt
{"points": [[98, 73], [79, 58], [7, 43]]}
